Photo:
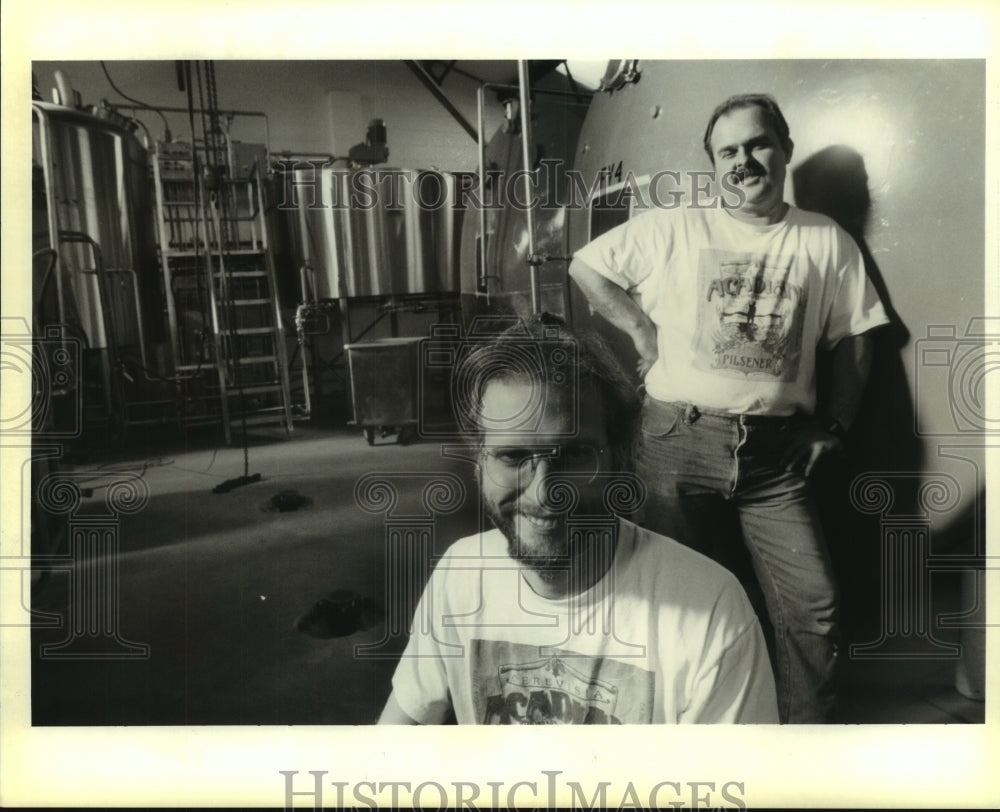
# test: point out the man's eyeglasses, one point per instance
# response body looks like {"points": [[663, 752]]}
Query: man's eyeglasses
{"points": [[513, 466]]}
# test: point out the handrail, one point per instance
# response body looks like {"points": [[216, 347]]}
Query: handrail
{"points": [[522, 75], [482, 276]]}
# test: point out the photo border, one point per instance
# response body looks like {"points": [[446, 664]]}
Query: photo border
{"points": [[847, 766]]}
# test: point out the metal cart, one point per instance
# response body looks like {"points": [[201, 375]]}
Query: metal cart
{"points": [[383, 377]]}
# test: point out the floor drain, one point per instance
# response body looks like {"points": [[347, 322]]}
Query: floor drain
{"points": [[338, 614], [287, 501]]}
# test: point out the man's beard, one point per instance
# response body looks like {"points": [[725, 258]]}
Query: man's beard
{"points": [[549, 554]]}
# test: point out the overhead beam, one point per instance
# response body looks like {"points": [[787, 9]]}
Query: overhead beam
{"points": [[428, 81], [447, 69]]}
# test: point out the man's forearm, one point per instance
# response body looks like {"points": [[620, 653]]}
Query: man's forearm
{"points": [[843, 377], [615, 305]]}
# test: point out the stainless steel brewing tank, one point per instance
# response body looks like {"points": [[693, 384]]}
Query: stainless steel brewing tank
{"points": [[94, 179], [504, 284], [372, 232]]}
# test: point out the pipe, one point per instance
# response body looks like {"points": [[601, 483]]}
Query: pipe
{"points": [[483, 276], [548, 91], [64, 90], [117, 106], [103, 289], [51, 210], [199, 110], [288, 156], [114, 396], [522, 75]]}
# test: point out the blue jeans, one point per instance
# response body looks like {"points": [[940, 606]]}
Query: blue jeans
{"points": [[697, 464]]}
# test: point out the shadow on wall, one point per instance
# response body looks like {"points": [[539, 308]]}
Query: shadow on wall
{"points": [[834, 182]]}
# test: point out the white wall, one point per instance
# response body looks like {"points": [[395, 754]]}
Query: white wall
{"points": [[312, 106]]}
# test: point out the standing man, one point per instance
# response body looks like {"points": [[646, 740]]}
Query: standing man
{"points": [[732, 305], [565, 613]]}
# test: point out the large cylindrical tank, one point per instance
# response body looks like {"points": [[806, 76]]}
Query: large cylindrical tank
{"points": [[371, 232], [502, 283], [91, 179]]}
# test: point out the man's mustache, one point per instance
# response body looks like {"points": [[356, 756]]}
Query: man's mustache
{"points": [[741, 173]]}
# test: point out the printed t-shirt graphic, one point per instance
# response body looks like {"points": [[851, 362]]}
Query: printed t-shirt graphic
{"points": [[515, 684], [750, 315]]}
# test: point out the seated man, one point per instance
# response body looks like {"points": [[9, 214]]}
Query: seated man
{"points": [[566, 612]]}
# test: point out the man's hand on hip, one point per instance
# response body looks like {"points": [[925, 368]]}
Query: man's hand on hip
{"points": [[616, 305], [810, 444]]}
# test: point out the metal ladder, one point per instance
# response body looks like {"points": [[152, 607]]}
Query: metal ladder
{"points": [[222, 303]]}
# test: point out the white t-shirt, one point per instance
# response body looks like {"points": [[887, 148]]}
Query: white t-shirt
{"points": [[666, 636], [739, 309]]}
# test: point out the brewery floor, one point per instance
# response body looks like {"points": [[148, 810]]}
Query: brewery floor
{"points": [[210, 585]]}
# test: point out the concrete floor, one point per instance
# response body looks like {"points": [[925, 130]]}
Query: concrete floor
{"points": [[213, 583]]}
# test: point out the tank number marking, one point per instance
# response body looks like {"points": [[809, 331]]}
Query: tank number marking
{"points": [[611, 172]]}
